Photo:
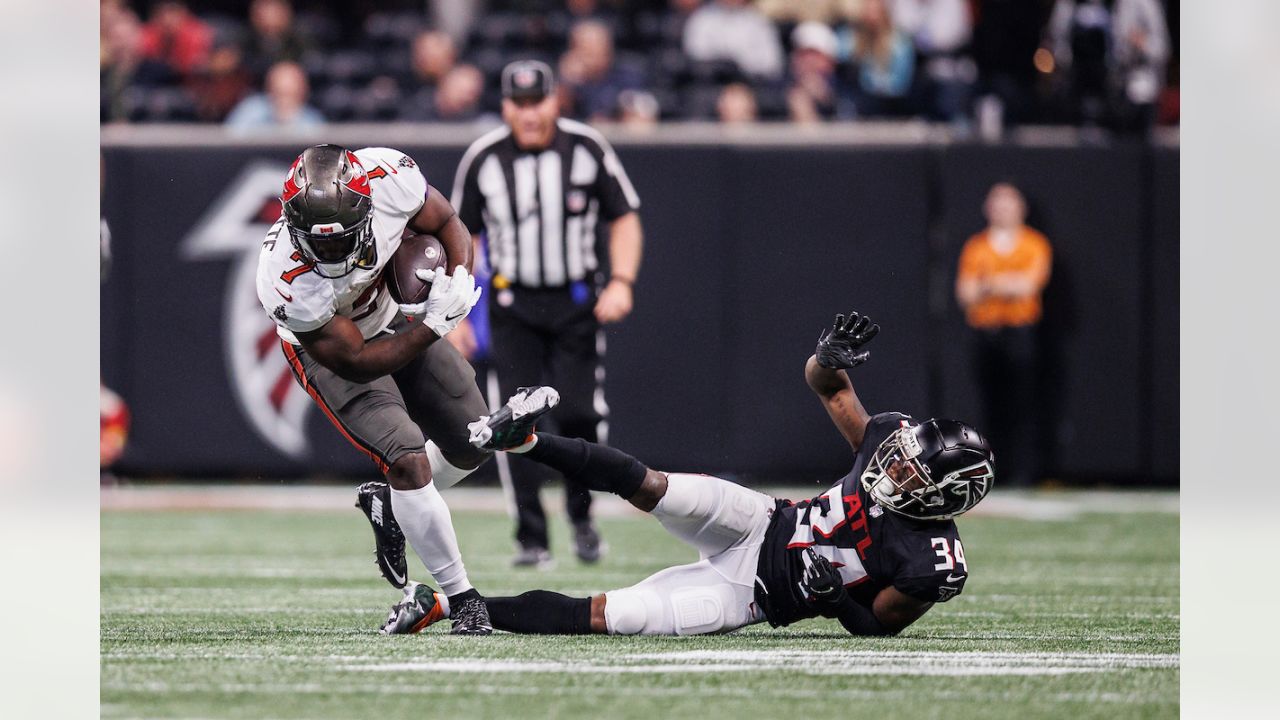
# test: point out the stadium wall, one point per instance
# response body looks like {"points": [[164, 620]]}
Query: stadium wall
{"points": [[752, 244]]}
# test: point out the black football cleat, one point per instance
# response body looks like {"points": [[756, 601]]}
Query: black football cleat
{"points": [[587, 544], [374, 498], [512, 424], [470, 617], [422, 606], [533, 557]]}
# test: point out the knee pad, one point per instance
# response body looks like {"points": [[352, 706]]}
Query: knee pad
{"points": [[698, 610], [628, 612], [643, 611]]}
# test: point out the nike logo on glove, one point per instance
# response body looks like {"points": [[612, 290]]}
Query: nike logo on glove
{"points": [[451, 318]]}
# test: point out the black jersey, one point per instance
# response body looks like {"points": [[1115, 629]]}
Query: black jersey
{"points": [[872, 547]]}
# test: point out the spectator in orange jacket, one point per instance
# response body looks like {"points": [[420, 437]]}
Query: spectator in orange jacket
{"points": [[1002, 275]]}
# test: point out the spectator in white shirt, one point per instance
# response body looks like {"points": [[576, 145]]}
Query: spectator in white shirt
{"points": [[734, 30], [941, 30]]}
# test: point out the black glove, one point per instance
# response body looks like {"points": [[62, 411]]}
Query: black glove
{"points": [[841, 346], [822, 582]]}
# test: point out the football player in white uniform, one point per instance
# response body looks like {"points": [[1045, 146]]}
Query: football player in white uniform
{"points": [[374, 367]]}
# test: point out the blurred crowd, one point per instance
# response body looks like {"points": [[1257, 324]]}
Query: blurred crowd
{"points": [[275, 63]]}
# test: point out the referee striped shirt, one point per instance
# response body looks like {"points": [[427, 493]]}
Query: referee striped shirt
{"points": [[539, 210]]}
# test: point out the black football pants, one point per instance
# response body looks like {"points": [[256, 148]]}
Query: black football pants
{"points": [[544, 337], [1007, 362]]}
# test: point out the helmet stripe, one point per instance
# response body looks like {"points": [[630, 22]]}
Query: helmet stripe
{"points": [[291, 187], [359, 182]]}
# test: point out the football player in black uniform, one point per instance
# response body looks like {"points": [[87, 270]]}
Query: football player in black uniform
{"points": [[875, 551]]}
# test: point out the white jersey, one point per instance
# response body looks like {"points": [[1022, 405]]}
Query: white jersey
{"points": [[299, 300]]}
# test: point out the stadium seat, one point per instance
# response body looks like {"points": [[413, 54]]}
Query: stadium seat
{"points": [[382, 29], [669, 68], [320, 29], [337, 103], [668, 103], [699, 101], [647, 30], [397, 63], [417, 105], [352, 67], [490, 61], [158, 105], [714, 71], [316, 66], [771, 101], [500, 31], [379, 102]]}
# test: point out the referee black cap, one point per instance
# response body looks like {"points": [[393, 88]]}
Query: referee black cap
{"points": [[527, 79]]}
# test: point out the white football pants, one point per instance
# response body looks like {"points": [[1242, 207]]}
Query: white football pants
{"points": [[726, 523]]}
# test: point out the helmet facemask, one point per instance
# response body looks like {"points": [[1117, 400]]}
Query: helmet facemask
{"points": [[334, 250], [898, 479]]}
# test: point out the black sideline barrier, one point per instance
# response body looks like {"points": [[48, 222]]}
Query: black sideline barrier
{"points": [[750, 249]]}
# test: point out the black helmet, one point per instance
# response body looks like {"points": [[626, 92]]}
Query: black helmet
{"points": [[328, 209], [932, 471]]}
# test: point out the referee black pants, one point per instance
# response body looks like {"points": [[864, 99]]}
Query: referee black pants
{"points": [[544, 337], [1007, 362]]}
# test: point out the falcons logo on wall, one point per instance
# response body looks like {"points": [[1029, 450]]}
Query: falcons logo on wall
{"points": [[233, 228]]}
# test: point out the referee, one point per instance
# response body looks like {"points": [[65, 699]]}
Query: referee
{"points": [[535, 192]]}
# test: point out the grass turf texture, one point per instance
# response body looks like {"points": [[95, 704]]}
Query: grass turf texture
{"points": [[268, 614]]}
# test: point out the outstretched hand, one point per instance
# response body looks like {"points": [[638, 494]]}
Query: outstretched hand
{"points": [[841, 346]]}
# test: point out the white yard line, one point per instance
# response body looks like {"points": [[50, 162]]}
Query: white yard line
{"points": [[827, 663], [471, 689], [809, 662]]}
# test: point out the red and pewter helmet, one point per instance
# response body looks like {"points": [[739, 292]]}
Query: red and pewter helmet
{"points": [[328, 209], [931, 471]]}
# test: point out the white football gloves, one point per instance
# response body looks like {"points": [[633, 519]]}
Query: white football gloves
{"points": [[450, 299]]}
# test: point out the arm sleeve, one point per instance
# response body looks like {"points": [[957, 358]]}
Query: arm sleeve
{"points": [[929, 588], [310, 308], [1043, 261], [932, 567], [858, 619], [302, 304], [967, 267], [617, 196], [396, 181], [467, 199]]}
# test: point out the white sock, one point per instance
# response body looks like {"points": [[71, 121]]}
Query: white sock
{"points": [[428, 527], [444, 473]]}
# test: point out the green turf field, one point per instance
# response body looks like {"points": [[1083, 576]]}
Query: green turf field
{"points": [[272, 614]]}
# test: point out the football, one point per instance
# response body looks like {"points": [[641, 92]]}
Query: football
{"points": [[416, 252]]}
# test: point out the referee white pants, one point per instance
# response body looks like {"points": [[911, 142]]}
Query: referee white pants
{"points": [[726, 523]]}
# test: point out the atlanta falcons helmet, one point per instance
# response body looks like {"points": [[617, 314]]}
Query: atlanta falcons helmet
{"points": [[931, 471], [328, 209]]}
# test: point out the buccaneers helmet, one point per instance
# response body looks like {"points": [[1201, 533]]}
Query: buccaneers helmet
{"points": [[932, 471], [328, 209]]}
